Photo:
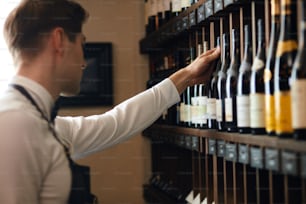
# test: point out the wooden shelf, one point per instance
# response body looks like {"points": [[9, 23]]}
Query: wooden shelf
{"points": [[185, 21], [248, 139]]}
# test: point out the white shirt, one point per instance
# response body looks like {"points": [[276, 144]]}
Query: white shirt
{"points": [[34, 168]]}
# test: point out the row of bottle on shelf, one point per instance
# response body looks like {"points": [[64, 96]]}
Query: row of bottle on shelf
{"points": [[264, 95], [159, 12]]}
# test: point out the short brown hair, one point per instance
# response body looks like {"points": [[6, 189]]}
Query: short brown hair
{"points": [[31, 20]]}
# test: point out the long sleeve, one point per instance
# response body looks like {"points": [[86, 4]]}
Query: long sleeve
{"points": [[86, 135]]}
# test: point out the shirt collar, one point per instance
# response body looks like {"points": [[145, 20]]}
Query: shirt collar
{"points": [[41, 96]]}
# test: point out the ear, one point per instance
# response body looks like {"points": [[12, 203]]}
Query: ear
{"points": [[58, 40]]}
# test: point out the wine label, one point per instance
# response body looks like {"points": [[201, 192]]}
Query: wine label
{"points": [[219, 110], [176, 5], [211, 108], [188, 112], [194, 114], [243, 111], [298, 106], [185, 3], [283, 123], [202, 110], [229, 110], [286, 46], [257, 110], [182, 112], [270, 113]]}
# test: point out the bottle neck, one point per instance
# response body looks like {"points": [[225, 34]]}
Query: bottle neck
{"points": [[235, 59], [303, 27], [261, 50], [225, 57], [288, 22]]}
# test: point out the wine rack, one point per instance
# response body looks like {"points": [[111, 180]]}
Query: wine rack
{"points": [[217, 166]]}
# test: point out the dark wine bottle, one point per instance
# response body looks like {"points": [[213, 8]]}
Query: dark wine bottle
{"points": [[285, 55], [167, 10], [212, 94], [257, 86], [220, 102], [190, 91], [298, 84], [231, 84], [269, 70], [243, 85], [202, 97]]}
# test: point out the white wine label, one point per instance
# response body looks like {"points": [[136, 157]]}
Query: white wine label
{"points": [[202, 110], [176, 5], [298, 104], [257, 110], [257, 64], [229, 110], [182, 112], [188, 112], [194, 113], [219, 110], [211, 108], [185, 3], [243, 111]]}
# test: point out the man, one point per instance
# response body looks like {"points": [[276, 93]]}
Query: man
{"points": [[45, 39]]}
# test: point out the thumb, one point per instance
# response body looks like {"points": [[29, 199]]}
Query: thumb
{"points": [[215, 54]]}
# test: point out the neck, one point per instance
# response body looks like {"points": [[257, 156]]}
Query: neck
{"points": [[41, 73]]}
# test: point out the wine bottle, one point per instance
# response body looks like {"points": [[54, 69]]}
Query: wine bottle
{"points": [[257, 86], [243, 85], [151, 12], [194, 106], [269, 69], [190, 90], [212, 94], [167, 10], [231, 84], [298, 84], [285, 55], [220, 102], [202, 97], [182, 110]]}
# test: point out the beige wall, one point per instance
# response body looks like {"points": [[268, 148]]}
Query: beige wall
{"points": [[119, 172]]}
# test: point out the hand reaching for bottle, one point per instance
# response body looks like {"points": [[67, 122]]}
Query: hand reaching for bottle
{"points": [[199, 71]]}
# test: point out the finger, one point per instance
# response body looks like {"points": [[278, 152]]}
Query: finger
{"points": [[214, 55], [208, 52]]}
